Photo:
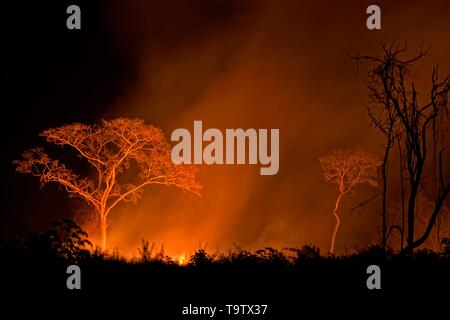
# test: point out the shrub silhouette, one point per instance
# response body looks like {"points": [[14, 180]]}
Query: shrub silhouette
{"points": [[44, 259], [446, 247], [201, 259], [146, 251], [270, 255], [67, 240], [307, 253]]}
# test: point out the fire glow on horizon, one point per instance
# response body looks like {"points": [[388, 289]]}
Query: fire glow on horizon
{"points": [[253, 65]]}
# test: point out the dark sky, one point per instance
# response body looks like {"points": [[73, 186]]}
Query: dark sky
{"points": [[250, 64]]}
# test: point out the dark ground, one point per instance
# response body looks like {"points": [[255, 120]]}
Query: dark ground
{"points": [[292, 283]]}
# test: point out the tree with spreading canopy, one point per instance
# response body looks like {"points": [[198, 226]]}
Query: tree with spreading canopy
{"points": [[111, 148], [348, 169]]}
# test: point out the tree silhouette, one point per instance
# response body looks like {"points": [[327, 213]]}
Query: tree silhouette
{"points": [[347, 169], [420, 126], [111, 148]]}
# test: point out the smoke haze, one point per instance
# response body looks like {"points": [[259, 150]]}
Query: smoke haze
{"points": [[258, 64]]}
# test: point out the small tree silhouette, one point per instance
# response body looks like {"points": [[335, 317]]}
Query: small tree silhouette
{"points": [[111, 148], [68, 240], [348, 169]]}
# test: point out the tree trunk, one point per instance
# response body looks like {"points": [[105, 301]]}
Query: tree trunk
{"points": [[437, 208], [384, 200], [411, 210], [415, 183], [402, 189], [338, 222], [102, 222]]}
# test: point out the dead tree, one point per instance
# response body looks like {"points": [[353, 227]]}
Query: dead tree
{"points": [[414, 122]]}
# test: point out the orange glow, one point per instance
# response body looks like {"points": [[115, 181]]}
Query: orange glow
{"points": [[265, 66], [182, 261]]}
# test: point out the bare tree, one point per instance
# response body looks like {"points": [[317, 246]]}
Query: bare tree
{"points": [[348, 169], [418, 125], [110, 148]]}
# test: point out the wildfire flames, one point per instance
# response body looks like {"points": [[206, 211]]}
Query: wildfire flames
{"points": [[182, 261]]}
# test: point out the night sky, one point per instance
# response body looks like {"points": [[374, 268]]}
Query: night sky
{"points": [[249, 64]]}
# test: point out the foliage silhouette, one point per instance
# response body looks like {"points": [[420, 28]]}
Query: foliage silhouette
{"points": [[68, 240], [42, 261]]}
